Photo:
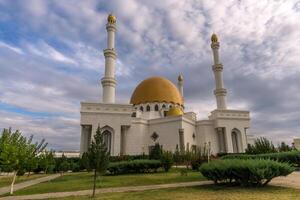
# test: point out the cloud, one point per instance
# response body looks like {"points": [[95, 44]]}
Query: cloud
{"points": [[12, 48], [45, 50], [55, 58]]}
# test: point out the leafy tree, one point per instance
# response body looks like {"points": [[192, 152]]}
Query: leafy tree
{"points": [[98, 155], [46, 160], [177, 157], [261, 145], [17, 152], [156, 152], [84, 162], [63, 164], [284, 147], [198, 156], [167, 160]]}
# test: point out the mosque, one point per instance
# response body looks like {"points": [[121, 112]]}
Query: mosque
{"points": [[156, 113]]}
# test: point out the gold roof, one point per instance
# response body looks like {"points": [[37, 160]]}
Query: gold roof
{"points": [[156, 89], [214, 38], [111, 19], [174, 111]]}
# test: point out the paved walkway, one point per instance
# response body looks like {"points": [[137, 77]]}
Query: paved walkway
{"points": [[292, 180], [105, 190], [24, 184]]}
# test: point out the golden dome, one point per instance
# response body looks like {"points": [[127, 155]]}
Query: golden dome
{"points": [[156, 89], [180, 77], [111, 19], [214, 38], [174, 111]]}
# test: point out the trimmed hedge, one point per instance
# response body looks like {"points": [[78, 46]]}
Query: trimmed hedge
{"points": [[245, 172], [134, 166], [128, 158], [292, 157]]}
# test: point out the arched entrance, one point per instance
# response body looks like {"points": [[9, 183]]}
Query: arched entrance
{"points": [[236, 141]]}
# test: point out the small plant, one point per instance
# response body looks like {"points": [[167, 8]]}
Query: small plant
{"points": [[167, 160], [183, 172]]}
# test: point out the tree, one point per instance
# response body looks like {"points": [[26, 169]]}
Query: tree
{"points": [[156, 152], [98, 155], [63, 164], [177, 156], [167, 160], [17, 152], [84, 162], [284, 147], [261, 145], [46, 159]]}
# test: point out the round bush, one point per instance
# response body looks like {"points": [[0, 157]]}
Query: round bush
{"points": [[252, 172]]}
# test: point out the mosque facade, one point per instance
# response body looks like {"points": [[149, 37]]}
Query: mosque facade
{"points": [[156, 114]]}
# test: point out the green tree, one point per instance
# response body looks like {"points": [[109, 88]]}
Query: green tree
{"points": [[284, 147], [84, 162], [17, 152], [98, 156], [167, 160], [46, 160], [63, 164], [156, 152], [261, 145], [177, 156]]}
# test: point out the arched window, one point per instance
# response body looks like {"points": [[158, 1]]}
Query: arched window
{"points": [[156, 107], [148, 108], [163, 106], [170, 106], [107, 139], [236, 141], [142, 108]]}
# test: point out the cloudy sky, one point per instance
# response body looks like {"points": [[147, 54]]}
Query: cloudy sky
{"points": [[51, 59]]}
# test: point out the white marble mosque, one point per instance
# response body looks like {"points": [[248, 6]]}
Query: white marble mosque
{"points": [[156, 113]]}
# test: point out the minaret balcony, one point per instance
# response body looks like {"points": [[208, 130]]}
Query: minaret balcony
{"points": [[110, 53]]}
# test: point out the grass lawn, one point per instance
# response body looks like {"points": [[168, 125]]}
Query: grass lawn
{"points": [[6, 180], [84, 180], [210, 192]]}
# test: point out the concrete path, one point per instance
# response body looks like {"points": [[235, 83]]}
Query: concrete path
{"points": [[24, 184], [105, 190], [292, 180]]}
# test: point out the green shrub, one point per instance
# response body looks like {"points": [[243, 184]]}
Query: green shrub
{"points": [[167, 160], [198, 157], [155, 152], [134, 166], [292, 157], [128, 158], [244, 172], [261, 145]]}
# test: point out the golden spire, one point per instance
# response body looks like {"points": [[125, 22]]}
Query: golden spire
{"points": [[180, 77], [111, 19], [214, 38]]}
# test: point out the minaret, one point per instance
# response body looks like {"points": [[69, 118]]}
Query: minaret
{"points": [[220, 91], [108, 81], [180, 84]]}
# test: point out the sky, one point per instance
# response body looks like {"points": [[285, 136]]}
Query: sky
{"points": [[51, 59]]}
